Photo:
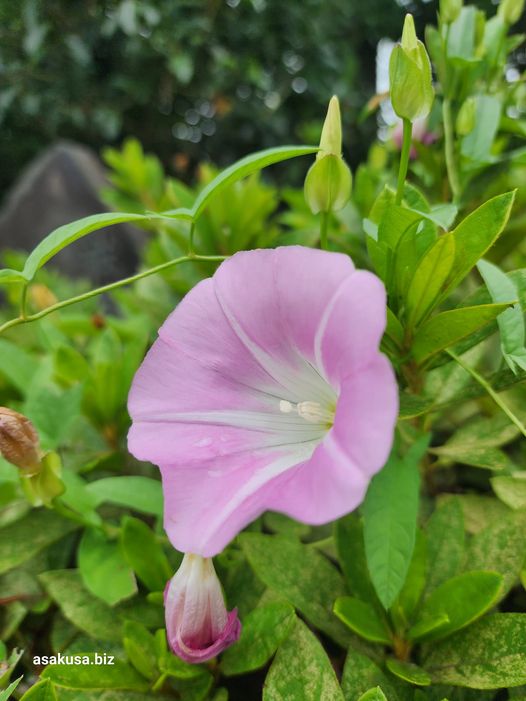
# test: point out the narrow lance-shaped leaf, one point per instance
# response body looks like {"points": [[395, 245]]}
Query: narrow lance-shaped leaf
{"points": [[429, 278], [445, 329], [390, 513], [511, 321]]}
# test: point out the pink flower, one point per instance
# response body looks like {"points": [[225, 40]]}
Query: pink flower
{"points": [[197, 623], [266, 390], [420, 134]]}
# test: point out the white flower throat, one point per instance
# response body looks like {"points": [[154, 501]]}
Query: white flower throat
{"points": [[311, 412]]}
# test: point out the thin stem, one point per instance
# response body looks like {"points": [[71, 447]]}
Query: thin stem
{"points": [[324, 226], [23, 301], [404, 160], [191, 239], [489, 389], [449, 145], [108, 288]]}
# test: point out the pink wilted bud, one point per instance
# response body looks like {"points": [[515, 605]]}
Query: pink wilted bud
{"points": [[19, 441], [197, 623]]}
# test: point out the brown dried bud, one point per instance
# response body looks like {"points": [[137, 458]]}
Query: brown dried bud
{"points": [[19, 443]]}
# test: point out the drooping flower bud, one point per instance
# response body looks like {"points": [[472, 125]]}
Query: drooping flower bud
{"points": [[510, 10], [198, 625], [19, 443], [450, 10], [466, 117], [329, 180], [410, 76]]}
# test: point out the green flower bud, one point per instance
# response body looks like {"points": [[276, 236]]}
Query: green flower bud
{"points": [[410, 76], [466, 117], [450, 10], [329, 180], [510, 10]]}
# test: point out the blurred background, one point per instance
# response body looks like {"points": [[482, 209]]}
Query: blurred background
{"points": [[190, 79]]}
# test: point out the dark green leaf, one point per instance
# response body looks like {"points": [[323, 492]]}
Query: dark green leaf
{"points": [[462, 599], [42, 691], [301, 670], [445, 542], [103, 568], [362, 619], [351, 555], [140, 647], [409, 672], [375, 694], [144, 553], [445, 329], [264, 630], [90, 675], [390, 511], [360, 673]]}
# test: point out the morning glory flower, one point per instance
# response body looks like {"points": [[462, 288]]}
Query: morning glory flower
{"points": [[266, 390], [198, 625]]}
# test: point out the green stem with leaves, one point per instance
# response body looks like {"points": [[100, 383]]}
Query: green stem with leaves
{"points": [[449, 145], [489, 389], [404, 160], [108, 288]]}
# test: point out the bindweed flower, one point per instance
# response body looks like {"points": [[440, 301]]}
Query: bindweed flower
{"points": [[19, 442], [198, 625], [266, 390]]}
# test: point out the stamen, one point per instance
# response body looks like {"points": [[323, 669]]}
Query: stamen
{"points": [[312, 412]]}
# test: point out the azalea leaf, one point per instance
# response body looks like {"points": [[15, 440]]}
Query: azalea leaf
{"points": [[445, 542], [375, 694], [301, 670], [264, 630], [409, 672], [144, 553], [135, 492], [360, 673], [351, 555], [490, 654], [119, 675], [362, 619], [511, 490]]}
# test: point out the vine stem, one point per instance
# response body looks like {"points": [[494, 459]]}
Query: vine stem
{"points": [[449, 146], [107, 288], [324, 226], [489, 389], [404, 159]]}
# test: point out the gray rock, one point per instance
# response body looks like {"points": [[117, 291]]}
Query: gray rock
{"points": [[59, 186]]}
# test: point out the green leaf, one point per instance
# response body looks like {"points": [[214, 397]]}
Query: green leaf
{"points": [[476, 146], [462, 599], [476, 234], [134, 492], [17, 365], [500, 548], [91, 675], [237, 171], [425, 625], [485, 458], [511, 490], [390, 512], [351, 555], [42, 691], [67, 234], [6, 693], [140, 647], [301, 575], [103, 568], [360, 673], [375, 694], [24, 538], [429, 279], [80, 607], [409, 672], [301, 670], [264, 630], [362, 619], [415, 581], [53, 412], [445, 542], [144, 553], [447, 328], [490, 654], [7, 275], [511, 321]]}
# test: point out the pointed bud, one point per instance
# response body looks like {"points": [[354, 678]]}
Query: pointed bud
{"points": [[329, 180], [410, 76], [466, 117], [450, 10], [19, 443], [510, 11], [198, 625]]}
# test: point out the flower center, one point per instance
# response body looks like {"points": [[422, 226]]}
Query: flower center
{"points": [[312, 412]]}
